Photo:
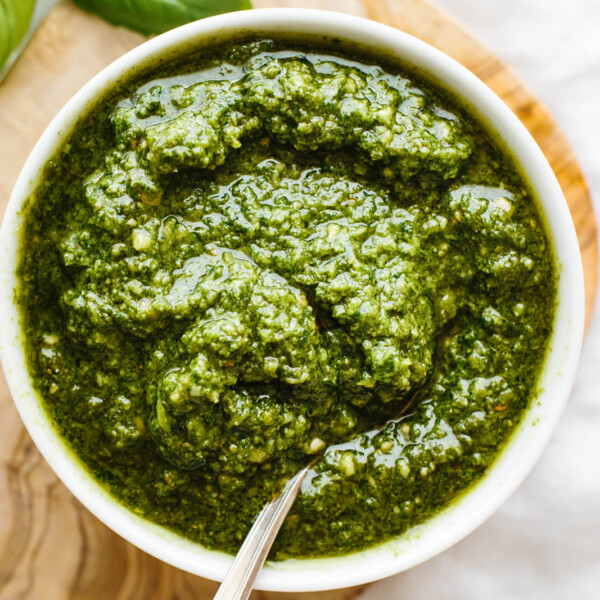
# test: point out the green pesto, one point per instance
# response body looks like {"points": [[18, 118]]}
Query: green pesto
{"points": [[235, 261]]}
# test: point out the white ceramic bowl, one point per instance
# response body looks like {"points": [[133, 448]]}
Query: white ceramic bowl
{"points": [[525, 446]]}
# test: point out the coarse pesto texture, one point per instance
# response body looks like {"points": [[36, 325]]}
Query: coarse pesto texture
{"points": [[238, 260]]}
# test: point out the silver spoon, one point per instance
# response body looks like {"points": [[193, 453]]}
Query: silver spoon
{"points": [[239, 580]]}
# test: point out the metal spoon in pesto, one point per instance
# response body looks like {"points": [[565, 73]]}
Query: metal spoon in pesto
{"points": [[239, 580]]}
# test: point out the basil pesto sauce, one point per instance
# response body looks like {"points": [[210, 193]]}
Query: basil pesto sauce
{"points": [[237, 260]]}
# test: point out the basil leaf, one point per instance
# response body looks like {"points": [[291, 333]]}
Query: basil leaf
{"points": [[15, 16], [156, 16]]}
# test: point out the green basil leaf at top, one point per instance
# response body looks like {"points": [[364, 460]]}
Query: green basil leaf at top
{"points": [[155, 16], [15, 16]]}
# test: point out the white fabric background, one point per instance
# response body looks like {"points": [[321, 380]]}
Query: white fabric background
{"points": [[544, 543]]}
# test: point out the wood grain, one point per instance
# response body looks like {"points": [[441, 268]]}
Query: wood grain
{"points": [[52, 548]]}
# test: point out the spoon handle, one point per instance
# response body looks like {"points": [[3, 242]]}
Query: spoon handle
{"points": [[239, 580]]}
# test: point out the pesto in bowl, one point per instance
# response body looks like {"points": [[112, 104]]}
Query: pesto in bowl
{"points": [[236, 260]]}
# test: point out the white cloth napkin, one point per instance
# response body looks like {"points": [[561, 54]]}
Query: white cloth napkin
{"points": [[544, 543]]}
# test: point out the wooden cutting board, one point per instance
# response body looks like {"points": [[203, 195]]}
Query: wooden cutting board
{"points": [[52, 548]]}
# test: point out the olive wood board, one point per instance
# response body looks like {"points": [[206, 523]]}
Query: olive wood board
{"points": [[51, 547]]}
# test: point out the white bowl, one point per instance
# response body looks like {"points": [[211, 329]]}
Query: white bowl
{"points": [[525, 446]]}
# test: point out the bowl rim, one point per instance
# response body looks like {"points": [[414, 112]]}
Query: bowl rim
{"points": [[515, 460]]}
